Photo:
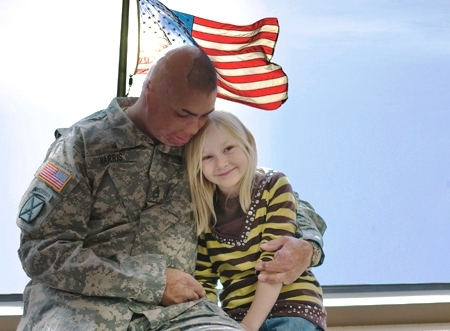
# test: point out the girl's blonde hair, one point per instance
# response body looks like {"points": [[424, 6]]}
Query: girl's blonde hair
{"points": [[202, 190]]}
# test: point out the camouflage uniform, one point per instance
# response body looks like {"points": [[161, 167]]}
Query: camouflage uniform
{"points": [[107, 212]]}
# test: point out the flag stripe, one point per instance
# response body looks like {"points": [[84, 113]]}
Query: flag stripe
{"points": [[240, 53], [281, 81], [252, 102], [261, 100], [237, 64], [237, 57], [228, 39], [253, 93], [244, 81], [267, 71], [268, 21], [213, 48]]}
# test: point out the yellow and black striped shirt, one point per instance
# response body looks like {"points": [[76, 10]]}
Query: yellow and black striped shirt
{"points": [[229, 251]]}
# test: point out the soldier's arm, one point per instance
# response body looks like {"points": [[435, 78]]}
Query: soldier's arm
{"points": [[53, 218], [310, 227], [295, 255]]}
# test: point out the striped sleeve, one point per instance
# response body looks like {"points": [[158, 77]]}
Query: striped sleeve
{"points": [[280, 211], [204, 272]]}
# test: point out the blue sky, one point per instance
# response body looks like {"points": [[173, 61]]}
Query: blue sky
{"points": [[363, 136]]}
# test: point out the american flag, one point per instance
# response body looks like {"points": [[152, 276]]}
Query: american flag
{"points": [[54, 176], [240, 53]]}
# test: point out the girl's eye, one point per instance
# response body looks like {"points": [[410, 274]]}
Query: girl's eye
{"points": [[229, 148], [207, 157], [182, 115]]}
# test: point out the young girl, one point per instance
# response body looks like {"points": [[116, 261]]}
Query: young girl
{"points": [[237, 207]]}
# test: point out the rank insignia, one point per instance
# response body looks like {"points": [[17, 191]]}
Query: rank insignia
{"points": [[31, 209], [55, 176]]}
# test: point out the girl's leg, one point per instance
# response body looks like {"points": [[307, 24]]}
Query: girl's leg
{"points": [[289, 324]]}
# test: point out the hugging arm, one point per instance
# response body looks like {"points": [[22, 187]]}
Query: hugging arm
{"points": [[294, 255]]}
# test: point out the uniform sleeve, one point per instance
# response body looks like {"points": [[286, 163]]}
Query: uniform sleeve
{"points": [[310, 225], [54, 216], [204, 272], [280, 214]]}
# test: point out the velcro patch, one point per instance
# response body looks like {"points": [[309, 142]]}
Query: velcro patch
{"points": [[31, 208], [55, 176]]}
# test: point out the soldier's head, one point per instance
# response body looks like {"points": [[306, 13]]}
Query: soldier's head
{"points": [[178, 94]]}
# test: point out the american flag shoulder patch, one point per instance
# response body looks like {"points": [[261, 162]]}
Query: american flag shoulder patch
{"points": [[55, 176]]}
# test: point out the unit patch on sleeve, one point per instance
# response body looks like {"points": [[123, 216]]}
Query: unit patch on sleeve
{"points": [[55, 176], [31, 209]]}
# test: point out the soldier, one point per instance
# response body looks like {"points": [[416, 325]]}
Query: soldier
{"points": [[107, 235]]}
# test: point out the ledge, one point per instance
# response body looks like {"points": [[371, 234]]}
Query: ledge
{"points": [[399, 304], [347, 305]]}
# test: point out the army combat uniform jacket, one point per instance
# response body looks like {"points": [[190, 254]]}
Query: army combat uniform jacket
{"points": [[106, 213]]}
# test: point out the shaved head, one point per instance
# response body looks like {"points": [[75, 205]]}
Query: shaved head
{"points": [[186, 64]]}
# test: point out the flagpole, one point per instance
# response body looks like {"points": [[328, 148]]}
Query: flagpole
{"points": [[122, 73]]}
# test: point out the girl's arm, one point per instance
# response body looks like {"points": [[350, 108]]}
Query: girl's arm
{"points": [[280, 216], [204, 272], [265, 297]]}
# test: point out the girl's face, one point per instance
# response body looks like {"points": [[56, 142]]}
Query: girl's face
{"points": [[224, 162]]}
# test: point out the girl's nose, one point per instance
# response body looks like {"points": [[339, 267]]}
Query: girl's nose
{"points": [[221, 161]]}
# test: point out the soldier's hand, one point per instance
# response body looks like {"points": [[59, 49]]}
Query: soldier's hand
{"points": [[292, 258], [181, 287]]}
